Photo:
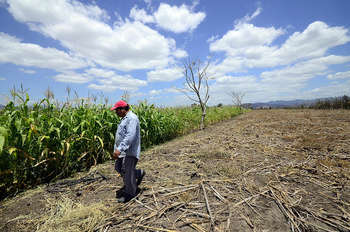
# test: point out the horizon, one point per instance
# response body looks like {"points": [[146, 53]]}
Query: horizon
{"points": [[109, 104], [270, 51]]}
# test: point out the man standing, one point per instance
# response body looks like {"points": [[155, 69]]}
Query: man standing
{"points": [[127, 149]]}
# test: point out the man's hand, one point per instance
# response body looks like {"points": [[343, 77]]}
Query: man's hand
{"points": [[116, 154]]}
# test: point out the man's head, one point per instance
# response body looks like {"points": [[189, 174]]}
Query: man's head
{"points": [[121, 108]]}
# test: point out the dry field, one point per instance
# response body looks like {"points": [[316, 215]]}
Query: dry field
{"points": [[266, 170]]}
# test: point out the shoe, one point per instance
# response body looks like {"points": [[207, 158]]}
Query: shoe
{"points": [[119, 193], [125, 198], [143, 173], [121, 199]]}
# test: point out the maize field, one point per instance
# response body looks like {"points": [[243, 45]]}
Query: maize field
{"points": [[41, 142]]}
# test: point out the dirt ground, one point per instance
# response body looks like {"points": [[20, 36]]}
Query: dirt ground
{"points": [[265, 170]]}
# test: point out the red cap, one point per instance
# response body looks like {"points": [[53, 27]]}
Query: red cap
{"points": [[119, 104]]}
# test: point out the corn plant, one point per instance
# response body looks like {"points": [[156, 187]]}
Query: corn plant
{"points": [[156, 126], [42, 142]]}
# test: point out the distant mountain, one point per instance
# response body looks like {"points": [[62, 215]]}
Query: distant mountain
{"points": [[1, 107], [284, 104]]}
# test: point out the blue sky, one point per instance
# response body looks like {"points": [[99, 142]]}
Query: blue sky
{"points": [[266, 50]]}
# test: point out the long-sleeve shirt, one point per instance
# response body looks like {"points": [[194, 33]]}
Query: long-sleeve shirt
{"points": [[127, 137]]}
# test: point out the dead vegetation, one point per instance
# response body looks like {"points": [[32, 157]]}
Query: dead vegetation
{"points": [[268, 170]]}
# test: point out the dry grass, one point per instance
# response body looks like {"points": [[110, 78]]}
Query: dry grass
{"points": [[67, 215], [273, 170]]}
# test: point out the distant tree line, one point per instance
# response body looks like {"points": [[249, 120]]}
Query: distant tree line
{"points": [[332, 103], [326, 103]]}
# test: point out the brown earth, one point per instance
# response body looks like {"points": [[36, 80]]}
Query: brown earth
{"points": [[266, 170]]}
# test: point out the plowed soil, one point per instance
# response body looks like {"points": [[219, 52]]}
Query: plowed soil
{"points": [[265, 170]]}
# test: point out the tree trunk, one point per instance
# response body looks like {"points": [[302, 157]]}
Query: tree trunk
{"points": [[204, 109]]}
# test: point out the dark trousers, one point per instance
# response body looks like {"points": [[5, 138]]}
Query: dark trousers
{"points": [[126, 167]]}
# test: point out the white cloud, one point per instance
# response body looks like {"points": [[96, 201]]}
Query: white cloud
{"points": [[212, 38], [303, 71], [246, 40], [27, 54], [177, 19], [2, 79], [332, 90], [177, 98], [101, 79], [194, 4], [292, 80], [235, 80], [122, 82], [148, 3], [100, 72], [313, 42], [168, 75], [72, 77], [155, 92], [120, 21], [250, 86], [103, 87], [247, 18], [180, 53], [81, 29], [172, 18], [108, 80], [28, 71], [50, 11], [141, 15], [284, 83], [226, 66], [339, 75], [173, 90], [225, 84], [160, 96], [248, 46], [246, 36]]}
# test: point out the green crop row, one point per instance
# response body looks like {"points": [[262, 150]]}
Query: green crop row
{"points": [[42, 142]]}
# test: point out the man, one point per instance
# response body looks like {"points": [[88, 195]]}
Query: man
{"points": [[127, 149]]}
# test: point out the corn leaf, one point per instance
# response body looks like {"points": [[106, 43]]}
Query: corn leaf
{"points": [[2, 142]]}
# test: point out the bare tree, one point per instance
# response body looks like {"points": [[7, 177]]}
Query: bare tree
{"points": [[237, 98], [196, 86]]}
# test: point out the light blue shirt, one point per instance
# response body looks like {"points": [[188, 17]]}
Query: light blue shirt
{"points": [[127, 137]]}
